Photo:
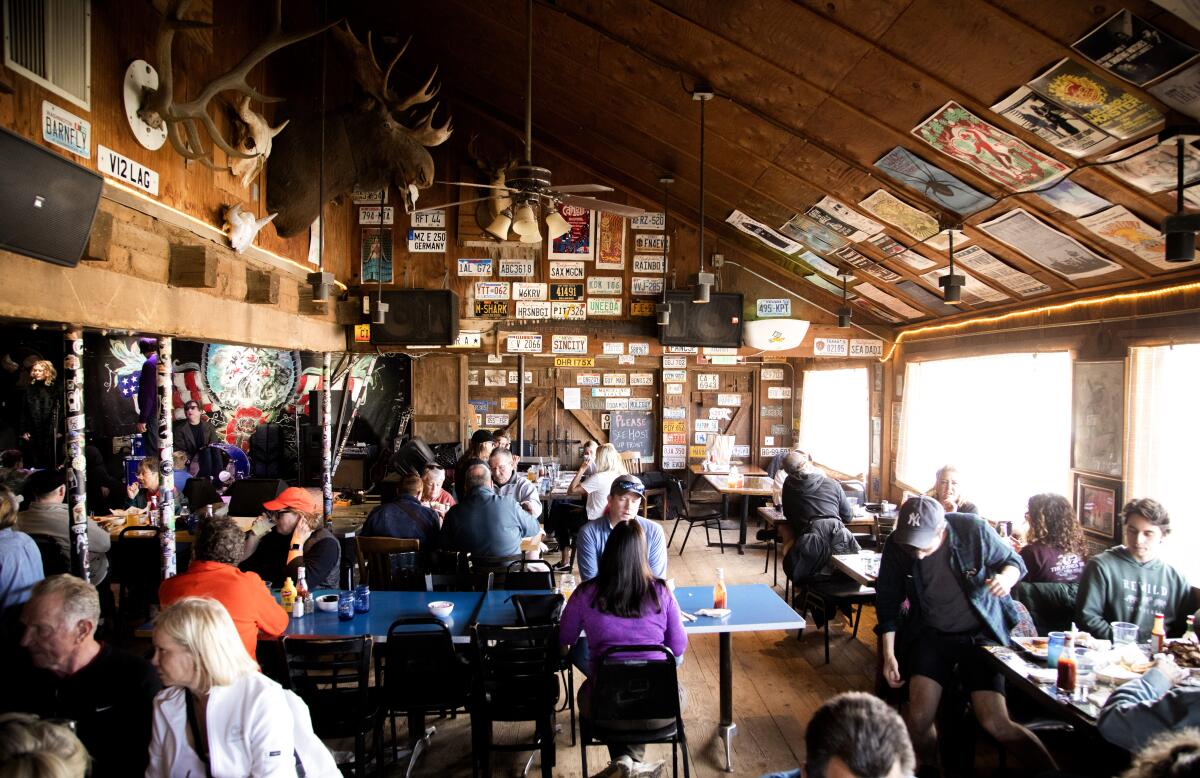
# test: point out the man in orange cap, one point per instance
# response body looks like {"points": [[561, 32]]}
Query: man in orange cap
{"points": [[297, 540]]}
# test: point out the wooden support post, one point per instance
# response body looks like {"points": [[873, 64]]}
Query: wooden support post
{"points": [[166, 451], [327, 438]]}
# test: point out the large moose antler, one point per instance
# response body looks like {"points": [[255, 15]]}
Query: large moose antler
{"points": [[183, 120]]}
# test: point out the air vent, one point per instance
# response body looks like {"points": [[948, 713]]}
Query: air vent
{"points": [[49, 42]]}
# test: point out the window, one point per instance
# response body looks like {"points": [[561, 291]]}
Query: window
{"points": [[835, 414], [49, 42], [1164, 423], [1004, 421]]}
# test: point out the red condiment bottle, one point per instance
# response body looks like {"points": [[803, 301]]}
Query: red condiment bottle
{"points": [[1066, 667], [720, 598]]}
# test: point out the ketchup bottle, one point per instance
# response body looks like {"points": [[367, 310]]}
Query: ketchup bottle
{"points": [[720, 597], [1066, 667]]}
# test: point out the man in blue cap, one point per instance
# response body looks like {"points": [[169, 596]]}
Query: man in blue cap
{"points": [[624, 498]]}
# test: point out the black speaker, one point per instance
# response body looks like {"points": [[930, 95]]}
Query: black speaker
{"points": [[246, 497], [47, 202], [412, 457], [418, 317], [717, 323]]}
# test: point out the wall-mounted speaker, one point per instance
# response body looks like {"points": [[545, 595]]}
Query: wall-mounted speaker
{"points": [[47, 202], [717, 323], [418, 317]]}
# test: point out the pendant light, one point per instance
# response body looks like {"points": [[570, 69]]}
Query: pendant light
{"points": [[702, 282], [322, 281], [663, 309], [844, 313], [1180, 228], [952, 283]]}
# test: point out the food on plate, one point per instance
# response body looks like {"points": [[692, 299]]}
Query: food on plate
{"points": [[1185, 653]]}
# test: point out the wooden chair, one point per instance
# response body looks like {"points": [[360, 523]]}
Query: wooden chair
{"points": [[377, 561], [633, 463]]}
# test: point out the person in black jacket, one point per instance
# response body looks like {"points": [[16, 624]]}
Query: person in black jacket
{"points": [[193, 435], [40, 414], [147, 395], [810, 494]]}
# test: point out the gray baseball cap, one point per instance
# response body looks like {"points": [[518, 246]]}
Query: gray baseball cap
{"points": [[919, 522]]}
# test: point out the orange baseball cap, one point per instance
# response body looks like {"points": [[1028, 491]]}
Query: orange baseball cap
{"points": [[295, 498]]}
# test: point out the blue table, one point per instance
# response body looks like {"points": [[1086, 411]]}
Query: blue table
{"points": [[755, 608], [386, 607]]}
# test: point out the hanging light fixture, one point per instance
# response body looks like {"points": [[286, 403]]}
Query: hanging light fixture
{"points": [[322, 281], [844, 313], [702, 282], [525, 220], [952, 283], [556, 225], [663, 309], [1180, 228], [499, 226]]}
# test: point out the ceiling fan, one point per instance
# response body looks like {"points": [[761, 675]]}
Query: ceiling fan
{"points": [[529, 188]]}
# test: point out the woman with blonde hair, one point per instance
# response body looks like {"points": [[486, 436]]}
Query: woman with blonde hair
{"points": [[595, 486], [218, 715], [945, 491], [39, 416], [33, 748]]}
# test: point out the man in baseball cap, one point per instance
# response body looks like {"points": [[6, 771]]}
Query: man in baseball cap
{"points": [[962, 572], [624, 499], [297, 539]]}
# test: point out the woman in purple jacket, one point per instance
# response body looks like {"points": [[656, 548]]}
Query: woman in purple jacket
{"points": [[623, 605]]}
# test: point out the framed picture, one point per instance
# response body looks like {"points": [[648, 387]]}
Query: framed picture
{"points": [[1097, 411], [1097, 503]]}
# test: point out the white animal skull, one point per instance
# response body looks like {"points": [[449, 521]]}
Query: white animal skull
{"points": [[241, 227], [254, 138]]}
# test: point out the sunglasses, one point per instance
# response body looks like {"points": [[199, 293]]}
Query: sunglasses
{"points": [[631, 486]]}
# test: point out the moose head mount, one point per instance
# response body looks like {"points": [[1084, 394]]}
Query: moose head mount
{"points": [[371, 143], [155, 116]]}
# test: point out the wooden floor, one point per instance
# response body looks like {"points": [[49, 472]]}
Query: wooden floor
{"points": [[778, 683]]}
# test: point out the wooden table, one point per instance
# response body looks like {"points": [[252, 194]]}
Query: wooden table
{"points": [[856, 566], [748, 488], [698, 469]]}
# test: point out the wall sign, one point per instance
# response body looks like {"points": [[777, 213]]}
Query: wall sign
{"points": [[645, 243], [588, 379], [831, 347], [674, 363], [427, 241], [614, 348], [775, 306], [568, 344], [604, 285], [430, 220], [516, 268], [475, 267], [639, 349], [649, 221], [491, 309], [604, 306], [641, 379], [468, 340], [522, 290], [641, 308], [616, 379], [866, 347], [708, 382], [67, 131], [646, 286], [370, 214], [649, 264], [533, 309], [526, 343], [491, 290], [110, 163], [568, 311], [771, 374], [611, 391], [566, 271], [566, 291], [574, 362]]}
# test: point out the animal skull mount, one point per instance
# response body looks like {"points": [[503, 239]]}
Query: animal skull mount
{"points": [[372, 143], [253, 140], [183, 122], [241, 227]]}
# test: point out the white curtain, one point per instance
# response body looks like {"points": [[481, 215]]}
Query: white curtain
{"points": [[1004, 421], [1161, 440], [835, 409]]}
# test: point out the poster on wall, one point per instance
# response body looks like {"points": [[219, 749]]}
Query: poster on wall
{"points": [[1072, 198], [987, 265], [1097, 410], [763, 233], [1052, 123], [1181, 91], [961, 135], [843, 220], [376, 255], [1121, 228], [1046, 245], [932, 182], [900, 214], [1153, 170], [1099, 101], [610, 241], [579, 241], [1131, 48]]}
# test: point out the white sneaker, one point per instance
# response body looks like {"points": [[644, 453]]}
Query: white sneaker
{"points": [[621, 767], [648, 769]]}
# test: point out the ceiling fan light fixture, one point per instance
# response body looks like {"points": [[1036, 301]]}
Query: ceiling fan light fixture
{"points": [[536, 237], [556, 225], [499, 226], [525, 221]]}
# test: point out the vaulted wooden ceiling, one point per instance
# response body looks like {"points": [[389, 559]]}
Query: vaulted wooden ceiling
{"points": [[810, 94]]}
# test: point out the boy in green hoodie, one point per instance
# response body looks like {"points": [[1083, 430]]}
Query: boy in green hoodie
{"points": [[1130, 583]]}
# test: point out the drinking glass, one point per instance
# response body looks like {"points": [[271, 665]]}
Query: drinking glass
{"points": [[1085, 673], [1124, 632], [345, 605], [1058, 640], [566, 585]]}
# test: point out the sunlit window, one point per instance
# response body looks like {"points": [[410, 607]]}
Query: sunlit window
{"points": [[834, 418], [1164, 424], [1004, 421]]}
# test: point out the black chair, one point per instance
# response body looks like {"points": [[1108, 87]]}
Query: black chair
{"points": [[333, 676], [827, 597], [420, 673], [387, 564], [450, 562], [496, 565], [56, 555], [684, 511], [634, 701], [137, 566], [535, 574], [458, 582], [517, 680]]}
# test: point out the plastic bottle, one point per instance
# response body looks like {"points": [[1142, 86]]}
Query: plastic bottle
{"points": [[287, 595], [720, 597], [303, 595], [1066, 667], [1158, 635], [1190, 633]]}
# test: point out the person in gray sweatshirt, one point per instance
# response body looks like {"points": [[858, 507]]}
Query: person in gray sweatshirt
{"points": [[1131, 583]]}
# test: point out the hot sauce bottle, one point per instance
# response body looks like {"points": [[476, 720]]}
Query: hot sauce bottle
{"points": [[1066, 666], [720, 597]]}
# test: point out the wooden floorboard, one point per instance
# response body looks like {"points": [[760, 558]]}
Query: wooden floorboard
{"points": [[778, 683]]}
